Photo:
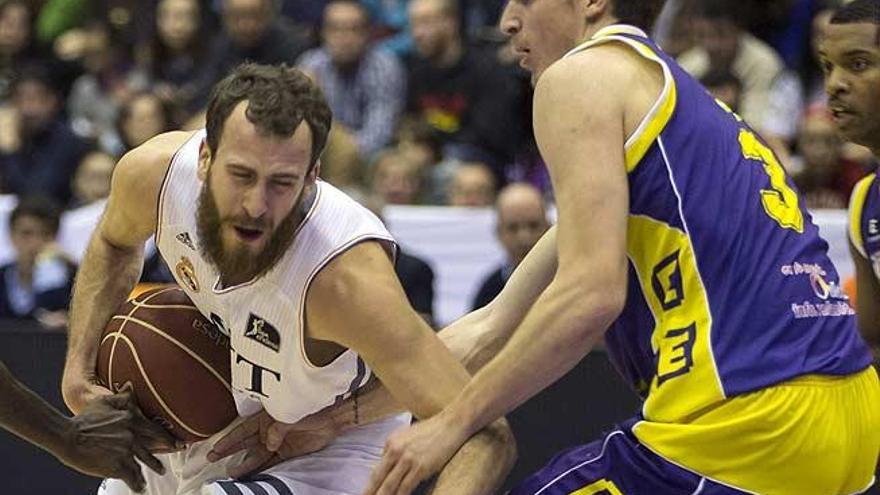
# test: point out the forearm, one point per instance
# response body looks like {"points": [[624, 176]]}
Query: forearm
{"points": [[105, 279], [559, 331], [25, 414], [481, 465]]}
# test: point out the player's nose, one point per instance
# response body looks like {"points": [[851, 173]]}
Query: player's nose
{"points": [[509, 23], [256, 201]]}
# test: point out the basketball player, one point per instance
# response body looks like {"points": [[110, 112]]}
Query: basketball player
{"points": [[98, 441], [850, 57], [683, 244], [296, 273]]}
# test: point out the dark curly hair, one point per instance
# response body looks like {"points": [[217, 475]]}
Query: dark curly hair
{"points": [[279, 99], [640, 13]]}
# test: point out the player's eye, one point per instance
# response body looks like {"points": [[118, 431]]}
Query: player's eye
{"points": [[860, 64], [826, 66]]}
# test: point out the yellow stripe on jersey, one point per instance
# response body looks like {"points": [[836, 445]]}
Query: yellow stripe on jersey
{"points": [[811, 435], [686, 379], [856, 206], [638, 144], [601, 486]]}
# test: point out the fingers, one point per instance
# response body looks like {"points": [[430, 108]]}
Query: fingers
{"points": [[130, 473], [148, 459], [391, 483], [151, 435], [410, 481], [242, 437], [381, 472], [275, 435]]}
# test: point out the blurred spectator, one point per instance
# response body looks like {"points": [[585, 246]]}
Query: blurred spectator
{"points": [[16, 41], [38, 283], [415, 274], [172, 56], [522, 220], [396, 180], [38, 150], [462, 91], [472, 185], [91, 187], [722, 45], [822, 174], [142, 117], [91, 182], [391, 24], [723, 86], [341, 162], [95, 98], [420, 144], [252, 31], [365, 86], [815, 80]]}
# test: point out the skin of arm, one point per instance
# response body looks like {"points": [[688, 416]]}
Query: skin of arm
{"points": [[580, 125], [867, 300], [99, 442], [413, 364], [113, 260]]}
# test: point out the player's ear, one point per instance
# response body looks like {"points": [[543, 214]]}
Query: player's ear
{"points": [[204, 160], [315, 172], [596, 9]]}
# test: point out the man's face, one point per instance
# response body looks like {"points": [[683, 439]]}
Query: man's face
{"points": [[177, 22], [30, 235], [542, 31], [521, 223], [247, 211], [37, 105], [396, 181], [472, 186], [346, 33], [720, 38], [432, 29], [819, 144], [850, 58], [247, 21], [92, 179], [145, 120], [15, 29]]}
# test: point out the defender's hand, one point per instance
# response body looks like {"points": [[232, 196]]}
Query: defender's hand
{"points": [[415, 453], [108, 435]]}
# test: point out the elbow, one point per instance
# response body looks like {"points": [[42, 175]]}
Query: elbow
{"points": [[594, 307]]}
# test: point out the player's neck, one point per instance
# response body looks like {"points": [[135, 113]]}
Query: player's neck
{"points": [[591, 28]]}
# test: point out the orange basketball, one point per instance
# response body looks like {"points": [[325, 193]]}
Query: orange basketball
{"points": [[176, 360]]}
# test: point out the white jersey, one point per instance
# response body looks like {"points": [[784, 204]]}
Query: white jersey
{"points": [[265, 318]]}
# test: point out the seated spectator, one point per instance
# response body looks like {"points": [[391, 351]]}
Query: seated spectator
{"points": [[91, 187], [722, 45], [38, 150], [473, 185], [463, 92], [253, 32], [91, 182], [96, 95], [171, 58], [724, 86], [396, 180], [143, 116], [364, 85], [522, 220], [17, 47], [391, 24], [38, 283], [823, 176]]}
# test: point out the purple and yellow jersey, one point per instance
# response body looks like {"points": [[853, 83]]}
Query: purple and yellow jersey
{"points": [[864, 220], [731, 289]]}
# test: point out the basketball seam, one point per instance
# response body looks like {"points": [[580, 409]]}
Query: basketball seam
{"points": [[178, 344], [119, 331], [155, 392]]}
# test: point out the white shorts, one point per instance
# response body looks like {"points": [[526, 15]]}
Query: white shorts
{"points": [[342, 468]]}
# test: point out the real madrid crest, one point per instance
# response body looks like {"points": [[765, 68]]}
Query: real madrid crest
{"points": [[186, 273]]}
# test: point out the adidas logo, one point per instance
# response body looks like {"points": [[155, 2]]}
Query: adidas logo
{"points": [[186, 240]]}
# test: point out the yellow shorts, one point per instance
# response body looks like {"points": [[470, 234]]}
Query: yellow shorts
{"points": [[811, 435]]}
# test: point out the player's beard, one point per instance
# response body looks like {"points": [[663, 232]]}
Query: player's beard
{"points": [[238, 265]]}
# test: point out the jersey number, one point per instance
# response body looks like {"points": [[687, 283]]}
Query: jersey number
{"points": [[780, 201]]}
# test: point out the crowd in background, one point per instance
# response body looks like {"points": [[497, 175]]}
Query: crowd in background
{"points": [[430, 107]]}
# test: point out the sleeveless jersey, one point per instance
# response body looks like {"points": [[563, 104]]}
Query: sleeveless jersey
{"points": [[864, 220], [264, 318], [730, 287]]}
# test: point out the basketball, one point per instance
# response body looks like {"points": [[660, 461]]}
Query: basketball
{"points": [[176, 360]]}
